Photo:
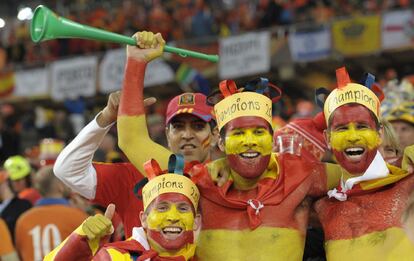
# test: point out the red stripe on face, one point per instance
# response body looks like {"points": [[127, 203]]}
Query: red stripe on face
{"points": [[247, 122]]}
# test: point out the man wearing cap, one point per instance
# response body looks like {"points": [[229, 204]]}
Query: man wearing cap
{"points": [[19, 172], [363, 217], [260, 209], [402, 120], [190, 131], [169, 220]]}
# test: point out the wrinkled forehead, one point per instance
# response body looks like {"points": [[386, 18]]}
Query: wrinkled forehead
{"points": [[352, 113], [248, 122]]}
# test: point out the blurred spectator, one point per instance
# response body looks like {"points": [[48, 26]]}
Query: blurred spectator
{"points": [[42, 228], [9, 137], [11, 207], [7, 252], [108, 150], [390, 146], [19, 172], [402, 120]]}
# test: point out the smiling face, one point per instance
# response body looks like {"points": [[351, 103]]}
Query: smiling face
{"points": [[191, 137], [248, 146], [353, 136], [169, 222]]}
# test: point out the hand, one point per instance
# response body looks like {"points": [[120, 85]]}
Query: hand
{"points": [[110, 112], [99, 226], [150, 46]]}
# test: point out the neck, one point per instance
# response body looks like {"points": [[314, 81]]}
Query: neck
{"points": [[187, 251]]}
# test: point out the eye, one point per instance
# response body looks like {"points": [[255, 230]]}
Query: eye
{"points": [[198, 126], [237, 132], [362, 127], [260, 131], [177, 125], [184, 207], [162, 207], [341, 128]]}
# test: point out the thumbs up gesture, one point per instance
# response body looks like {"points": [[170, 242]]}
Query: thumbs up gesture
{"points": [[99, 225]]}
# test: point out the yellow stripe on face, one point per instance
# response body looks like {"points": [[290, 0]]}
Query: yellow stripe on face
{"points": [[391, 244]]}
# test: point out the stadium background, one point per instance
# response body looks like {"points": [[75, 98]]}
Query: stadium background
{"points": [[52, 89]]}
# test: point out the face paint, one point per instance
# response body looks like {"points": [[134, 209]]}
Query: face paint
{"points": [[354, 138], [170, 222], [248, 146]]}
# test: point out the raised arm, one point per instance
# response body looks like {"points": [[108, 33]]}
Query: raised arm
{"points": [[133, 137]]}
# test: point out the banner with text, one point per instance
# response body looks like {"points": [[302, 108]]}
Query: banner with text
{"points": [[398, 29], [356, 36], [310, 46], [31, 83], [74, 77], [244, 55]]}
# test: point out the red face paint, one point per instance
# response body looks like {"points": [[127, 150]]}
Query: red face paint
{"points": [[353, 137], [248, 146]]}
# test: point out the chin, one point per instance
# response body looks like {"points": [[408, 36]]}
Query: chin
{"points": [[248, 168]]}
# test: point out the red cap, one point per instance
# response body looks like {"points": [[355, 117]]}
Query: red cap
{"points": [[191, 103]]}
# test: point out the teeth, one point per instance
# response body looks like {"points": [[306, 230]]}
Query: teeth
{"points": [[172, 230], [354, 150], [190, 146], [250, 154]]}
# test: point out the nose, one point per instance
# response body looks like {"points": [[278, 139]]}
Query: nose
{"points": [[250, 141], [187, 133], [353, 136]]}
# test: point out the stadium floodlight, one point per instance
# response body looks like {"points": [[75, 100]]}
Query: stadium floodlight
{"points": [[25, 13], [2, 23]]}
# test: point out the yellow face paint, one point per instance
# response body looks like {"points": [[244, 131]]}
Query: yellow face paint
{"points": [[240, 140], [351, 135], [167, 214]]}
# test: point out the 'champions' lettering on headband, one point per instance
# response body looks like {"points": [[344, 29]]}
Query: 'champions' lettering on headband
{"points": [[170, 183], [243, 104], [351, 93]]}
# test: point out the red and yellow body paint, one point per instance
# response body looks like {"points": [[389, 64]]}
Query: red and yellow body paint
{"points": [[268, 219], [367, 224]]}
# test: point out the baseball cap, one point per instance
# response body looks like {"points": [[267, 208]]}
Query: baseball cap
{"points": [[17, 167], [403, 112], [190, 103]]}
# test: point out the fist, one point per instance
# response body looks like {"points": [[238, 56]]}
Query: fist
{"points": [[150, 45], [99, 225]]}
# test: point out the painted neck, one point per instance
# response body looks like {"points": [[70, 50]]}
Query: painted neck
{"points": [[187, 252]]}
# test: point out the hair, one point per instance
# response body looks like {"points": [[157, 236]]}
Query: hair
{"points": [[390, 135], [45, 180]]}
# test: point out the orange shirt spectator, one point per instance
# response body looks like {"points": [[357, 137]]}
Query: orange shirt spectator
{"points": [[6, 246], [49, 222], [45, 226]]}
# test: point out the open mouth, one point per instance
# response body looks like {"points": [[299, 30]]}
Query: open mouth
{"points": [[249, 154], [188, 146], [174, 231], [354, 153]]}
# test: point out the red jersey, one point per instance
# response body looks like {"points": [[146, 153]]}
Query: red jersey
{"points": [[115, 184]]}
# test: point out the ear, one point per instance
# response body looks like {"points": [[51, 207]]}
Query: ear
{"points": [[221, 144], [143, 218], [214, 137], [197, 222], [326, 136]]}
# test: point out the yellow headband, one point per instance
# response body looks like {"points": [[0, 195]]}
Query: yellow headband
{"points": [[170, 183], [243, 104], [351, 93]]}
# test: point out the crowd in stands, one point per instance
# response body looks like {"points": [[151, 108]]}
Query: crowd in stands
{"points": [[177, 20]]}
